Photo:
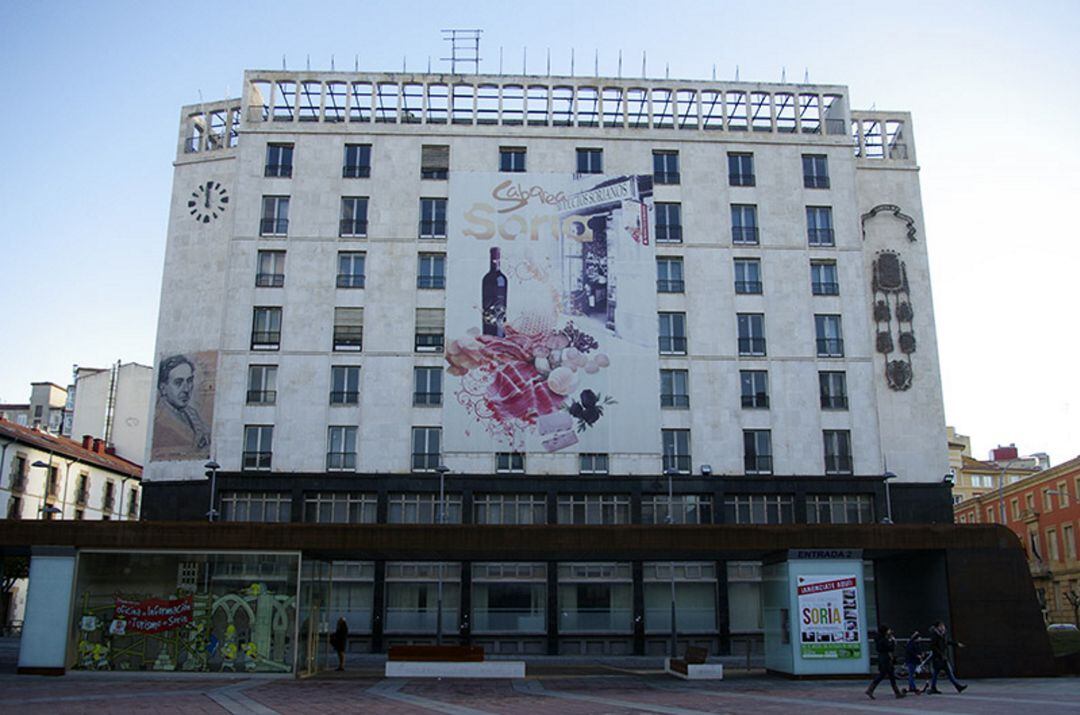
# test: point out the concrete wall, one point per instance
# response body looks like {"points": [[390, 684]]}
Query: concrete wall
{"points": [[129, 427]]}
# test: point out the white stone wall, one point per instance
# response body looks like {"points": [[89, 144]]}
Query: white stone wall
{"points": [[129, 430]]}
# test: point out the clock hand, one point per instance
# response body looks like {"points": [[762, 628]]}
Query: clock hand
{"points": [[207, 197]]}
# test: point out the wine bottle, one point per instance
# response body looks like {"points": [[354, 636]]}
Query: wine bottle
{"points": [[493, 298]]}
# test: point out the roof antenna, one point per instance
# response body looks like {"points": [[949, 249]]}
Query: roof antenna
{"points": [[643, 64], [714, 72], [620, 64], [331, 63], [308, 65], [403, 64], [500, 58], [283, 62], [524, 60], [667, 70], [783, 75], [571, 61], [549, 62], [806, 76], [429, 64], [596, 62], [736, 73], [356, 63]]}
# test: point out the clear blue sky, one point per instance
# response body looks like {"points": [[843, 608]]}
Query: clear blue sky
{"points": [[94, 91]]}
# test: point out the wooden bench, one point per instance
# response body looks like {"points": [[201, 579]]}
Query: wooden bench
{"points": [[448, 661], [693, 666]]}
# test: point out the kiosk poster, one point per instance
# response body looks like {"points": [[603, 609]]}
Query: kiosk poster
{"points": [[829, 617], [551, 322]]}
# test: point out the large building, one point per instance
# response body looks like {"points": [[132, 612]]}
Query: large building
{"points": [[113, 405]]}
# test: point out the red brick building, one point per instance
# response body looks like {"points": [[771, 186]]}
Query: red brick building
{"points": [[1044, 511]]}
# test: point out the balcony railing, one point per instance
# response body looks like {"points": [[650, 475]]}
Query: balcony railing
{"points": [[820, 236], [672, 345], [757, 399], [838, 464], [430, 281], [274, 226], [427, 399], [265, 339], [261, 397], [345, 397], [675, 401], [429, 342], [18, 482], [748, 287], [834, 402], [269, 280], [670, 285], [350, 280], [678, 462], [825, 288], [341, 460], [757, 464], [433, 229], [257, 460], [668, 233], [352, 227], [108, 503], [830, 347], [348, 338], [746, 235], [751, 346], [52, 489], [432, 173], [741, 179], [425, 461], [355, 171], [666, 177], [81, 495], [279, 170], [812, 181]]}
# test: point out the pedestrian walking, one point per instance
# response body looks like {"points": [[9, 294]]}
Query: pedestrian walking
{"points": [[339, 640], [885, 643], [939, 647], [913, 660]]}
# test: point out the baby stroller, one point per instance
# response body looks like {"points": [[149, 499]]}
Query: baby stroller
{"points": [[923, 667]]}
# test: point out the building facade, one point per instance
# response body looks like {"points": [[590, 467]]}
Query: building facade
{"points": [[44, 411], [113, 405], [714, 307]]}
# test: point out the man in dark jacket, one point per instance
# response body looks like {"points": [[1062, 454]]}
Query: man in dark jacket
{"points": [[885, 644], [939, 646]]}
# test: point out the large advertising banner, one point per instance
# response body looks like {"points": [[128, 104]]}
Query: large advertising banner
{"points": [[829, 617], [551, 314]]}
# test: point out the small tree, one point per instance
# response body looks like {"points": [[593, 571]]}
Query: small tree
{"points": [[1073, 597], [12, 568]]}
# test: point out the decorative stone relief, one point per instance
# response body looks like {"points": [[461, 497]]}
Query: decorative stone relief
{"points": [[893, 318]]}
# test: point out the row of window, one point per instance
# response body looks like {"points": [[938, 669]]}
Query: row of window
{"points": [[748, 276], [753, 389], [515, 509], [341, 452], [19, 483], [435, 164], [829, 340]]}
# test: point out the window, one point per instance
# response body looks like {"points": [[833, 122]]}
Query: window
{"points": [[340, 508], [672, 333], [740, 169], [258, 446], [837, 451], [509, 463], [592, 463], [759, 509], [82, 489], [681, 509], [279, 160], [345, 385], [815, 170], [275, 216], [262, 384], [1029, 502], [839, 509], [676, 444], [819, 226], [1063, 495], [757, 451], [823, 280], [18, 473], [266, 329], [754, 385], [256, 506], [668, 222], [751, 333], [744, 225], [14, 510], [357, 161], [1069, 541], [511, 159], [353, 217], [427, 386], [341, 448], [412, 508], [665, 167], [833, 388], [1048, 502], [593, 509], [747, 275], [1052, 545], [669, 275], [348, 329], [673, 389], [509, 509], [426, 453], [1015, 509], [434, 162], [350, 269], [590, 161], [429, 330], [432, 218], [270, 272], [133, 503], [431, 270], [52, 480], [830, 339]]}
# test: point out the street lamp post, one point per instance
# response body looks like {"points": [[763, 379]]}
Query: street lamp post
{"points": [[888, 498], [52, 510], [1001, 489], [670, 473], [213, 467], [442, 469]]}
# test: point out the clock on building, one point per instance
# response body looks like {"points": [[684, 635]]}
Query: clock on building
{"points": [[208, 201]]}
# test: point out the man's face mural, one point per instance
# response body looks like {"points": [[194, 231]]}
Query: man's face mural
{"points": [[177, 387]]}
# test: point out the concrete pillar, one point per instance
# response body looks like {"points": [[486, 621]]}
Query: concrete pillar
{"points": [[46, 624]]}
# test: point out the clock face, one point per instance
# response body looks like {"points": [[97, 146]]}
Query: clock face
{"points": [[208, 201]]}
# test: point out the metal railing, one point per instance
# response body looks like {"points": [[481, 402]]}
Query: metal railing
{"points": [[433, 229], [751, 346], [273, 226], [666, 177], [348, 338], [672, 345], [352, 227], [830, 347], [427, 399], [825, 288], [834, 402], [744, 234], [341, 460], [820, 236], [269, 280], [425, 461], [431, 281], [283, 171], [813, 181], [838, 464], [669, 233], [757, 464], [18, 482], [261, 397], [678, 462], [355, 171], [429, 342], [257, 460], [265, 339], [758, 399], [345, 397], [748, 287], [670, 285], [675, 400], [741, 179], [350, 280]]}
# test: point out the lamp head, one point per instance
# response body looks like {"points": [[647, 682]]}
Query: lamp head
{"points": [[212, 465], [706, 469]]}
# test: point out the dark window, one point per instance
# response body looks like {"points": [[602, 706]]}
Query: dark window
{"points": [[345, 385], [341, 448], [351, 269], [590, 161], [430, 330], [262, 384], [676, 443], [668, 222], [432, 218], [833, 386], [354, 211], [747, 275], [744, 224], [270, 272], [819, 226], [830, 338], [357, 161], [349, 329], [592, 463], [434, 162], [669, 275], [815, 168], [740, 169], [751, 333], [275, 216], [427, 386], [837, 452], [754, 385], [279, 160], [757, 451], [823, 278], [666, 167], [266, 329], [258, 446], [426, 448], [512, 159], [509, 463], [431, 270], [672, 333], [674, 390]]}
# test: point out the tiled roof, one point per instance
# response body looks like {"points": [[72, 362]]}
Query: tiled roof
{"points": [[69, 448]]}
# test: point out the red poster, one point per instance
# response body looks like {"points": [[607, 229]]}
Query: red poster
{"points": [[154, 615]]}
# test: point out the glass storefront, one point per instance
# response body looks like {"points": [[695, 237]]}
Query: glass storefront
{"points": [[595, 598], [196, 612], [509, 597], [695, 596], [412, 595]]}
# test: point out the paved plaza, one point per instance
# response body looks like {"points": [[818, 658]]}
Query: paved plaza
{"points": [[574, 691]]}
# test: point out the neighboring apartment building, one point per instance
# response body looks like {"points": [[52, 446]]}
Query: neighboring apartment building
{"points": [[113, 405], [1044, 511], [556, 292], [972, 477], [44, 411]]}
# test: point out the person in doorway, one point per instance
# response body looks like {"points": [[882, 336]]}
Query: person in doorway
{"points": [[939, 646], [913, 660], [339, 640], [885, 643]]}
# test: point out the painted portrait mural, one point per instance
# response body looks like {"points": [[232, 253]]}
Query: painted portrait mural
{"points": [[184, 409]]}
